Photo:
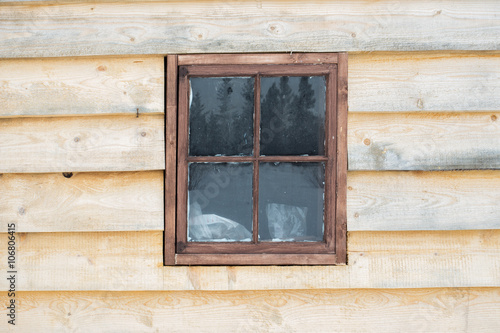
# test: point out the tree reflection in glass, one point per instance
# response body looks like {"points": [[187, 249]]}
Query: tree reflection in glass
{"points": [[221, 116], [293, 115]]}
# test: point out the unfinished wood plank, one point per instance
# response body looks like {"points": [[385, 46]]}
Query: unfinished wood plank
{"points": [[380, 81], [418, 81], [424, 141], [450, 200], [134, 261], [439, 241], [378, 201], [268, 26], [72, 144], [354, 310], [84, 202], [78, 86]]}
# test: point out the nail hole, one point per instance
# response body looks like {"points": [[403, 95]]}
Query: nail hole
{"points": [[68, 174], [76, 139]]}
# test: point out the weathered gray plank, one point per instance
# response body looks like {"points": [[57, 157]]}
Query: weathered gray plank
{"points": [[430, 81], [450, 200], [264, 26], [124, 201], [424, 141], [71, 144], [78, 86]]}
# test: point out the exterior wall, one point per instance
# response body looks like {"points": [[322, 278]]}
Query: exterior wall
{"points": [[82, 91]]}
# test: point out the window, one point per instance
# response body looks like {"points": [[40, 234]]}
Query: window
{"points": [[256, 159]]}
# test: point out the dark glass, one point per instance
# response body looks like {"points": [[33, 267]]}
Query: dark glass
{"points": [[292, 115], [220, 202], [221, 116], [291, 201]]}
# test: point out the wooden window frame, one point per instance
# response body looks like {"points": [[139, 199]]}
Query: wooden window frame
{"points": [[332, 251]]}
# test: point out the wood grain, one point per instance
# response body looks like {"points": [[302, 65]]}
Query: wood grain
{"points": [[424, 141], [341, 159], [170, 161], [408, 141], [377, 201], [85, 202], [355, 310], [73, 144], [79, 29], [379, 82], [423, 200], [133, 261], [424, 81], [81, 86], [258, 59]]}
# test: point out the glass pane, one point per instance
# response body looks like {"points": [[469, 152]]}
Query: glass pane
{"points": [[221, 116], [220, 202], [292, 115], [291, 201]]}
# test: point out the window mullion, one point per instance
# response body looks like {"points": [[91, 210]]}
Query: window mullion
{"points": [[256, 154]]}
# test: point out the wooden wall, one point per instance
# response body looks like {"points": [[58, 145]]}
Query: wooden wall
{"points": [[82, 91]]}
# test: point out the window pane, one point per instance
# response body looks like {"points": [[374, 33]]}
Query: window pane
{"points": [[292, 115], [221, 116], [291, 201], [220, 202]]}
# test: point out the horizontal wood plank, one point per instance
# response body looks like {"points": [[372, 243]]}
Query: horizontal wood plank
{"points": [[414, 242], [423, 141], [85, 202], [134, 261], [78, 86], [72, 144], [376, 201], [79, 29], [354, 310], [378, 82], [403, 141], [449, 200], [424, 81]]}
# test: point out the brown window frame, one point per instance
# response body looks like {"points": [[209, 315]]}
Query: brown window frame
{"points": [[332, 250]]}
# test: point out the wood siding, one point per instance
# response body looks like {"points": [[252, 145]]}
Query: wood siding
{"points": [[402, 141], [115, 201], [378, 82], [127, 201], [75, 86], [82, 92], [247, 26], [67, 144], [347, 310], [133, 260]]}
